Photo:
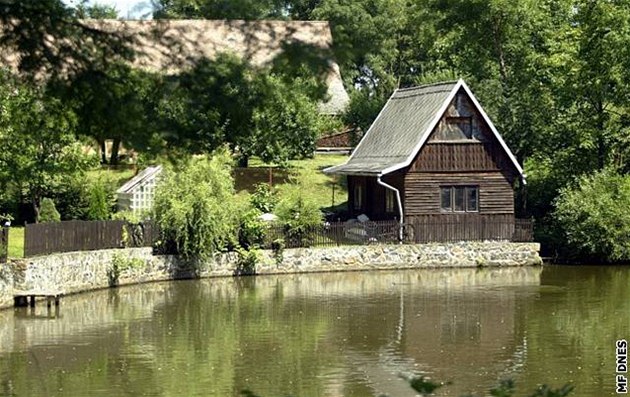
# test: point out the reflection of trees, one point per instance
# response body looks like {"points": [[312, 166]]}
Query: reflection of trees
{"points": [[572, 327], [322, 334]]}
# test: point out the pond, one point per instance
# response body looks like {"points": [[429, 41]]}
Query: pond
{"points": [[336, 334]]}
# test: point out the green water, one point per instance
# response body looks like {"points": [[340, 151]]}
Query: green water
{"points": [[340, 334]]}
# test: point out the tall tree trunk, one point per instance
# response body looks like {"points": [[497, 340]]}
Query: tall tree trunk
{"points": [[35, 202], [103, 150], [113, 160]]}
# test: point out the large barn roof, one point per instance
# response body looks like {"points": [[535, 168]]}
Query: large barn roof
{"points": [[403, 126], [170, 46]]}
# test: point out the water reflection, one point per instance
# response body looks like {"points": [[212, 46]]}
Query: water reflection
{"points": [[339, 334]]}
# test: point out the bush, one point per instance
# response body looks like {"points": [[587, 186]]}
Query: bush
{"points": [[100, 201], [263, 198], [48, 212], [71, 199], [252, 229], [297, 213], [194, 206], [594, 215]]}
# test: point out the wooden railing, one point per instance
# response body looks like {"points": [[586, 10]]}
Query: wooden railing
{"points": [[66, 236]]}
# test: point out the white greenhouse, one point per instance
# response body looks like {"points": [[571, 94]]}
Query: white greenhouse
{"points": [[137, 194]]}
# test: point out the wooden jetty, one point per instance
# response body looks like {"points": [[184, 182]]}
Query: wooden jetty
{"points": [[26, 298]]}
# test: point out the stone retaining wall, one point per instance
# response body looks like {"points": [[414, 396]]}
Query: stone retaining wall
{"points": [[83, 271]]}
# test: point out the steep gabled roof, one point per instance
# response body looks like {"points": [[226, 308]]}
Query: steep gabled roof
{"points": [[403, 127]]}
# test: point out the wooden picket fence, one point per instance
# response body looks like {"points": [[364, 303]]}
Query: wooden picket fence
{"points": [[66, 236], [47, 238]]}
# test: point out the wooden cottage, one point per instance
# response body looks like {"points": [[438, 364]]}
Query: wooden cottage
{"points": [[433, 159]]}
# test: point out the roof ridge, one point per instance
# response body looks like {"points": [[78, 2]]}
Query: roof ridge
{"points": [[200, 20], [416, 87]]}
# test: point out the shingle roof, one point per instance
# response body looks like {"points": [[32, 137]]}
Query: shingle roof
{"points": [[172, 45], [403, 126]]}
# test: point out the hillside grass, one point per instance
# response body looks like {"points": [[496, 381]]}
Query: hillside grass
{"points": [[16, 242], [319, 186], [116, 175]]}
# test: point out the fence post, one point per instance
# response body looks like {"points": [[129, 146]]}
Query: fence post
{"points": [[4, 244]]}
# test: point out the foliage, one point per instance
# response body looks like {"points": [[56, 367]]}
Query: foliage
{"points": [[48, 212], [5, 218], [219, 9], [131, 216], [193, 206], [255, 112], [37, 136], [119, 264], [117, 103], [363, 108], [101, 201], [263, 199], [252, 229], [247, 260], [594, 215], [95, 11], [277, 247], [297, 213], [52, 42]]}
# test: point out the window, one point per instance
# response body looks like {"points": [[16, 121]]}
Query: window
{"points": [[389, 200], [459, 198], [358, 197]]}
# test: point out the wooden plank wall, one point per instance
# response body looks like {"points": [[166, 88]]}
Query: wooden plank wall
{"points": [[422, 194], [461, 156]]}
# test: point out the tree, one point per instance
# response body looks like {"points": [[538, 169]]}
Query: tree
{"points": [[193, 206], [37, 136], [254, 111], [115, 103], [53, 43], [95, 11], [594, 215], [220, 9]]}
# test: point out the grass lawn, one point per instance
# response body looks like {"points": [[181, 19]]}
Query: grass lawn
{"points": [[16, 242], [117, 175], [320, 186]]}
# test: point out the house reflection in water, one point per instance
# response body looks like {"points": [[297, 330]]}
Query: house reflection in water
{"points": [[336, 334]]}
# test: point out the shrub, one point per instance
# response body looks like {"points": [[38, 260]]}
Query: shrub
{"points": [[100, 201], [247, 260], [252, 229], [48, 212], [119, 264], [194, 206], [297, 213], [71, 198], [263, 198], [594, 215]]}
